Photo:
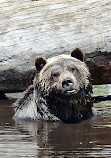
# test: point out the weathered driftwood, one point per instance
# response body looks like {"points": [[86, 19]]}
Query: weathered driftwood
{"points": [[46, 28]]}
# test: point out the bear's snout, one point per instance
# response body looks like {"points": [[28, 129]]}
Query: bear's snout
{"points": [[67, 84]]}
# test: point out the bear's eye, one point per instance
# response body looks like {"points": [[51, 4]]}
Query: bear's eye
{"points": [[56, 75], [73, 70]]}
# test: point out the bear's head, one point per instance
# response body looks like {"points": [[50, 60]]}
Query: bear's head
{"points": [[63, 74]]}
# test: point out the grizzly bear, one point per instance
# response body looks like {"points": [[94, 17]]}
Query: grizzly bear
{"points": [[61, 90]]}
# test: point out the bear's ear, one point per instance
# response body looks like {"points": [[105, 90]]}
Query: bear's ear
{"points": [[77, 53], [40, 63]]}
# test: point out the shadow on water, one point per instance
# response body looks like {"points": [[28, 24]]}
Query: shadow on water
{"points": [[90, 138]]}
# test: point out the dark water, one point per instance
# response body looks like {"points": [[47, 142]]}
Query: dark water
{"points": [[39, 139]]}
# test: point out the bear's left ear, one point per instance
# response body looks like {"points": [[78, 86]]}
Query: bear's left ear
{"points": [[40, 63], [78, 53]]}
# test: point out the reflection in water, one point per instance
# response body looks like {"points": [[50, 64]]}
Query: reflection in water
{"points": [[55, 139], [102, 90], [89, 138], [39, 139]]}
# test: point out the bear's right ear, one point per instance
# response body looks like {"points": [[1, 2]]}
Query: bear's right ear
{"points": [[78, 53], [40, 63]]}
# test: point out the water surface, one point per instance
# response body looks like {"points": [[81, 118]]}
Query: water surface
{"points": [[39, 139]]}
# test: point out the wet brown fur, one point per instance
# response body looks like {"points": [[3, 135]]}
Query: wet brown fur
{"points": [[48, 95]]}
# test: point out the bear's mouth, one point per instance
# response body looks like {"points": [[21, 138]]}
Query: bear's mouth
{"points": [[71, 91]]}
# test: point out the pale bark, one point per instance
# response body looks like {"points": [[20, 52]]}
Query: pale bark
{"points": [[47, 28]]}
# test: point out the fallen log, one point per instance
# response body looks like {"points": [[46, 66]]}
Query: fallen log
{"points": [[46, 28], [101, 98]]}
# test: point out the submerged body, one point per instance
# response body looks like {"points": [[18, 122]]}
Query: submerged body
{"points": [[60, 91]]}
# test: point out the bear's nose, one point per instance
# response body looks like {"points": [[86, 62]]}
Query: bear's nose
{"points": [[67, 83]]}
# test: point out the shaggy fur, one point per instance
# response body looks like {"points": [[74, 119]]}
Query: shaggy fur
{"points": [[47, 98]]}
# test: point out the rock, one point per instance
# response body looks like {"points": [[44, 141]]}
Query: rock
{"points": [[15, 81], [46, 28], [99, 64]]}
